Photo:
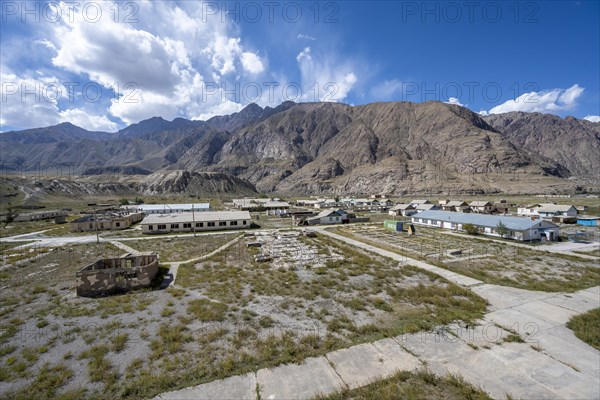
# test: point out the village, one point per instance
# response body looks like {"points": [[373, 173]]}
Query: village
{"points": [[265, 283]]}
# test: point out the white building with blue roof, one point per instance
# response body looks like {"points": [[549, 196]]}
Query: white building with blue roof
{"points": [[518, 228], [172, 208]]}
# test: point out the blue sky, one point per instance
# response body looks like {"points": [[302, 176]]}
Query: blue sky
{"points": [[103, 65]]}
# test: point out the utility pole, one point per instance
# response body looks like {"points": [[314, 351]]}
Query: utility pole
{"points": [[96, 224], [193, 220]]}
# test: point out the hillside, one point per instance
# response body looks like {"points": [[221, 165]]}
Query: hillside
{"points": [[396, 147], [573, 143]]}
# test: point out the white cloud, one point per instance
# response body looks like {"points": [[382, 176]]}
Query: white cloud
{"points": [[26, 102], [88, 121], [306, 37], [324, 78], [543, 101], [387, 90], [252, 63], [29, 102], [592, 118], [454, 100], [166, 55]]}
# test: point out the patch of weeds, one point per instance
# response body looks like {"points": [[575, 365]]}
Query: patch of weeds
{"points": [[511, 337], [176, 292], [46, 384], [171, 340], [167, 312], [205, 310], [119, 342], [420, 384], [99, 367], [265, 321], [585, 326]]}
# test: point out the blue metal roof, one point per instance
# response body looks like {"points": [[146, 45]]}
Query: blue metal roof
{"points": [[485, 220]]}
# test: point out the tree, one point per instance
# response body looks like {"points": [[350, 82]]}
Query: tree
{"points": [[501, 229], [471, 229], [10, 216]]}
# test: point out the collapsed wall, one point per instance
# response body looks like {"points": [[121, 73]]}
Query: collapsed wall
{"points": [[113, 275]]}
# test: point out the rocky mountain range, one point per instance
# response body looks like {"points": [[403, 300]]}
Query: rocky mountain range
{"points": [[393, 148]]}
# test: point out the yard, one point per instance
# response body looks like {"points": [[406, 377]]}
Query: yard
{"points": [[491, 262], [227, 315], [183, 248]]}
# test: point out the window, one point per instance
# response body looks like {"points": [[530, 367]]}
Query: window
{"points": [[91, 226], [187, 225], [210, 224], [199, 224], [174, 226], [150, 227], [244, 222], [233, 223], [118, 224], [162, 226], [222, 223]]}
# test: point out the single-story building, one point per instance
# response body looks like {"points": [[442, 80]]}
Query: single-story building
{"points": [[326, 217], [518, 228], [105, 222], [204, 221], [588, 221], [416, 203], [404, 210], [548, 210], [260, 204], [40, 215], [482, 207], [427, 207], [501, 208], [456, 206], [556, 210], [172, 208]]}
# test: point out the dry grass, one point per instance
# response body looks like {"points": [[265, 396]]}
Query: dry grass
{"points": [[421, 385], [181, 249], [587, 327]]}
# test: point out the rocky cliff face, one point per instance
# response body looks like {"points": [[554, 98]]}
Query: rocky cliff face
{"points": [[397, 147], [320, 147], [572, 143], [160, 183]]}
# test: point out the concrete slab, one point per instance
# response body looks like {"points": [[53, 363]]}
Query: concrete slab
{"points": [[486, 333], [574, 302], [483, 369], [395, 358], [359, 365], [562, 344], [519, 321], [591, 294], [545, 311], [552, 374], [434, 347], [501, 297], [304, 381], [236, 387]]}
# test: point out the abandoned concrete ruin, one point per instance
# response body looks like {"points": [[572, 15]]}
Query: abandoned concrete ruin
{"points": [[115, 275], [286, 250]]}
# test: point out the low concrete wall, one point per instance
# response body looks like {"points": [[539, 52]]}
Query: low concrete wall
{"points": [[112, 275]]}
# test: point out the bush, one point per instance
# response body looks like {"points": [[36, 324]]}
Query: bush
{"points": [[471, 229]]}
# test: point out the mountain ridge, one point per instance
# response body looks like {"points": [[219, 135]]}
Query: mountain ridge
{"points": [[329, 147]]}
